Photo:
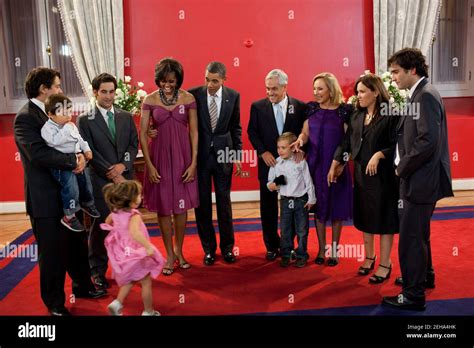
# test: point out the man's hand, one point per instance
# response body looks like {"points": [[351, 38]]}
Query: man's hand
{"points": [[88, 155], [308, 206], [118, 179], [114, 170], [238, 169], [268, 159], [152, 132], [81, 163]]}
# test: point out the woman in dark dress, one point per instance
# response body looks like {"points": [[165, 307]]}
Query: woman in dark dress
{"points": [[371, 139]]}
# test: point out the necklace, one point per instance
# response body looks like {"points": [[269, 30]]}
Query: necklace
{"points": [[171, 101]]}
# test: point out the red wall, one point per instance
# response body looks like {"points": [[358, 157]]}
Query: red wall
{"points": [[323, 35]]}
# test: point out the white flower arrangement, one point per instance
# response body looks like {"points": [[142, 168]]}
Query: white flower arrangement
{"points": [[129, 97], [397, 96]]}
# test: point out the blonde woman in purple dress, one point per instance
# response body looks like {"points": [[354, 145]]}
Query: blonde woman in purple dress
{"points": [[170, 185]]}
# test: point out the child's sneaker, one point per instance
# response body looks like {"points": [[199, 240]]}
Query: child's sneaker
{"points": [[73, 224], [91, 211], [154, 313], [115, 308]]}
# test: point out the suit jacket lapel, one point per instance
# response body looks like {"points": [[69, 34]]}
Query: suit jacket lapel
{"points": [[290, 113], [415, 92], [271, 116], [119, 126], [205, 108], [40, 113], [99, 120], [359, 125], [224, 107]]}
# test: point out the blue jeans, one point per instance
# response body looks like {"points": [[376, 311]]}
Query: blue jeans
{"points": [[294, 220], [75, 188]]}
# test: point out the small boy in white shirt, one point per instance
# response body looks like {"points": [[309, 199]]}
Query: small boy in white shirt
{"points": [[60, 133], [297, 196]]}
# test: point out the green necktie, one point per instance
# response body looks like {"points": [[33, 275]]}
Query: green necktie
{"points": [[111, 124]]}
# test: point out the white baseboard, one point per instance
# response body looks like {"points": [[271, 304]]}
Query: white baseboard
{"points": [[463, 184], [12, 207], [235, 196]]}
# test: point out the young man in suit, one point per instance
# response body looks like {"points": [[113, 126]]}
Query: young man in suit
{"points": [[220, 137], [423, 167], [112, 136], [269, 118], [60, 250]]}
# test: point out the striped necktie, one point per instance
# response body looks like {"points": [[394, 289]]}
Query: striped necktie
{"points": [[213, 112]]}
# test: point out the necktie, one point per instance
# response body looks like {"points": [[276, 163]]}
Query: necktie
{"points": [[111, 124], [213, 112], [279, 119]]}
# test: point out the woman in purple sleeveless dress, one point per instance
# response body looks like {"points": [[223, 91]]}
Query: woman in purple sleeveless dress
{"points": [[170, 186], [323, 131]]}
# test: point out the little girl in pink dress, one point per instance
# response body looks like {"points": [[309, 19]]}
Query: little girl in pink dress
{"points": [[131, 254]]}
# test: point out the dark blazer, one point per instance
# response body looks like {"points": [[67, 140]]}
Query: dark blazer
{"points": [[263, 132], [228, 131], [383, 139], [95, 131], [42, 192], [424, 168]]}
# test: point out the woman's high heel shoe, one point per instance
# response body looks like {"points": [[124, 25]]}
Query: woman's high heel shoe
{"points": [[366, 270], [375, 279]]}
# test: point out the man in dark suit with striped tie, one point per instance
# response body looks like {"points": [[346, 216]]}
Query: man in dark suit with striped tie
{"points": [[220, 144], [269, 118]]}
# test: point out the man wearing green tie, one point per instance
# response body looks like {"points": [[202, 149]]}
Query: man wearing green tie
{"points": [[112, 136]]}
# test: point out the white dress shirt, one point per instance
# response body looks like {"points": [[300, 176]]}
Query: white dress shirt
{"points": [[410, 93], [298, 179], [218, 99], [103, 112], [39, 104]]}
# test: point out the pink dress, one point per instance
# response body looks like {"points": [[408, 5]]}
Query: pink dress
{"points": [[127, 257], [170, 153]]}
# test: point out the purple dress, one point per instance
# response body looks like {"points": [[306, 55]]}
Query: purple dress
{"points": [[326, 130], [170, 153]]}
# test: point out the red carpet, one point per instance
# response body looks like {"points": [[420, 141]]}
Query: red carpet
{"points": [[253, 285]]}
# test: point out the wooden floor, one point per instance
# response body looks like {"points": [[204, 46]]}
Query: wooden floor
{"points": [[13, 225]]}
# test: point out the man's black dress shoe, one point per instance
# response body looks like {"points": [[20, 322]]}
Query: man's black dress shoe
{"points": [[59, 312], [91, 293], [209, 259], [429, 282], [402, 302], [271, 255], [101, 282], [229, 257]]}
